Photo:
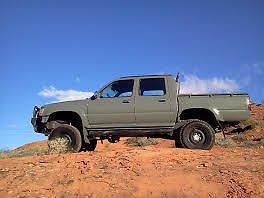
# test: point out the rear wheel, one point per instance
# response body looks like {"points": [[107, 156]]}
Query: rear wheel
{"points": [[197, 135], [71, 134]]}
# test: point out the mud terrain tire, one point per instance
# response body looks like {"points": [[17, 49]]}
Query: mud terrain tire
{"points": [[178, 143], [71, 133], [90, 146], [197, 135]]}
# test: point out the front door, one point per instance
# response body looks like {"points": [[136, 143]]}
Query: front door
{"points": [[114, 106], [152, 106]]}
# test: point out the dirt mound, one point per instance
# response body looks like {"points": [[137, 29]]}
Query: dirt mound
{"points": [[123, 171], [43, 143], [120, 170], [257, 112], [254, 127], [257, 118]]}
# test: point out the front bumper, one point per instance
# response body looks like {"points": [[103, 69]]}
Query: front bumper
{"points": [[37, 121]]}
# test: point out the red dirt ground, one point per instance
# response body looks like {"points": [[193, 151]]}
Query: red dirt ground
{"points": [[257, 115], [118, 170]]}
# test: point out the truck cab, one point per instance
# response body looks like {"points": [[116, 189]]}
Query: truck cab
{"points": [[134, 102]]}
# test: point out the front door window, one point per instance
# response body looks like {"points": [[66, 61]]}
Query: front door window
{"points": [[121, 88]]}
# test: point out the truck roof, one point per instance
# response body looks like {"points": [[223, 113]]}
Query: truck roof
{"points": [[155, 75]]}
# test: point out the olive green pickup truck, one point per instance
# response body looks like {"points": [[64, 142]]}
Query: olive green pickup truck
{"points": [[146, 106]]}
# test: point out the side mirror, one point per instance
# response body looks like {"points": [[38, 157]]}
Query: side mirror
{"points": [[94, 96]]}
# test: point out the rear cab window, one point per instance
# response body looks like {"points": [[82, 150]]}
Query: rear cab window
{"points": [[152, 87]]}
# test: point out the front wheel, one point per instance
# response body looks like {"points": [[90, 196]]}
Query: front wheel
{"points": [[197, 135], [69, 133]]}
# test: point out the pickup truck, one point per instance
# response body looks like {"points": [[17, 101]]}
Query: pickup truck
{"points": [[142, 106]]}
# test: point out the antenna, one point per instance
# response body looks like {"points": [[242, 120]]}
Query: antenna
{"points": [[178, 77], [178, 92], [178, 83]]}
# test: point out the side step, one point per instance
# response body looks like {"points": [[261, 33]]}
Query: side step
{"points": [[130, 132]]}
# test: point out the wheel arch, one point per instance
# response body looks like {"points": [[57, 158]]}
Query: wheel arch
{"points": [[200, 114], [69, 117]]}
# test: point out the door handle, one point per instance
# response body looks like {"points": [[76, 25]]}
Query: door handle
{"points": [[162, 100], [125, 101]]}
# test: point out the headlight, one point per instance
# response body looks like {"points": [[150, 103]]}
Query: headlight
{"points": [[41, 111]]}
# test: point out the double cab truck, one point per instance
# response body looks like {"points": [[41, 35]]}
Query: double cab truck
{"points": [[142, 106]]}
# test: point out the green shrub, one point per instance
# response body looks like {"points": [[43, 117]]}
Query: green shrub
{"points": [[26, 152], [239, 138], [58, 145], [248, 143], [141, 141], [259, 123], [262, 142], [224, 142], [248, 122]]}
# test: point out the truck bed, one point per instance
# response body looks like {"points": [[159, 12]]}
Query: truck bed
{"points": [[228, 107]]}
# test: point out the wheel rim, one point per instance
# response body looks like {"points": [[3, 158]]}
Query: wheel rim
{"points": [[197, 136], [68, 138]]}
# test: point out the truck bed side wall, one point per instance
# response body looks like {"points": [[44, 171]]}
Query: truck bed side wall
{"points": [[225, 107]]}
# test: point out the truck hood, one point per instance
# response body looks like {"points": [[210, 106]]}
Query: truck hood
{"points": [[76, 105]]}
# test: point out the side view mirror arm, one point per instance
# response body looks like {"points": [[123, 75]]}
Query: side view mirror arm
{"points": [[95, 96]]}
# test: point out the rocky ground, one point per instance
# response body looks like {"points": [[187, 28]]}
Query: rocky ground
{"points": [[120, 170]]}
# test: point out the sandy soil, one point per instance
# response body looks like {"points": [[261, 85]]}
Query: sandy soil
{"points": [[118, 170], [122, 171]]}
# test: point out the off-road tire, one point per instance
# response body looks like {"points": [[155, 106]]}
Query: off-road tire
{"points": [[90, 146], [177, 137], [197, 135], [69, 132]]}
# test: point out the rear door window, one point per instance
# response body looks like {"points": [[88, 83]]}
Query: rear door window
{"points": [[152, 87]]}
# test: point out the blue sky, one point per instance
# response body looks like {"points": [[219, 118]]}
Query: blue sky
{"points": [[50, 47]]}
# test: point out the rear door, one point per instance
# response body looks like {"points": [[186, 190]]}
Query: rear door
{"points": [[152, 107], [114, 106]]}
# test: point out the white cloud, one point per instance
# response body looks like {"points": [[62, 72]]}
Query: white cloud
{"points": [[195, 85], [251, 73], [190, 84], [64, 95]]}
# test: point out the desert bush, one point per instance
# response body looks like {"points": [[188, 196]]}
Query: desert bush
{"points": [[224, 142], [248, 122], [262, 142], [259, 123], [248, 143], [239, 138], [26, 152], [58, 145], [141, 141]]}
